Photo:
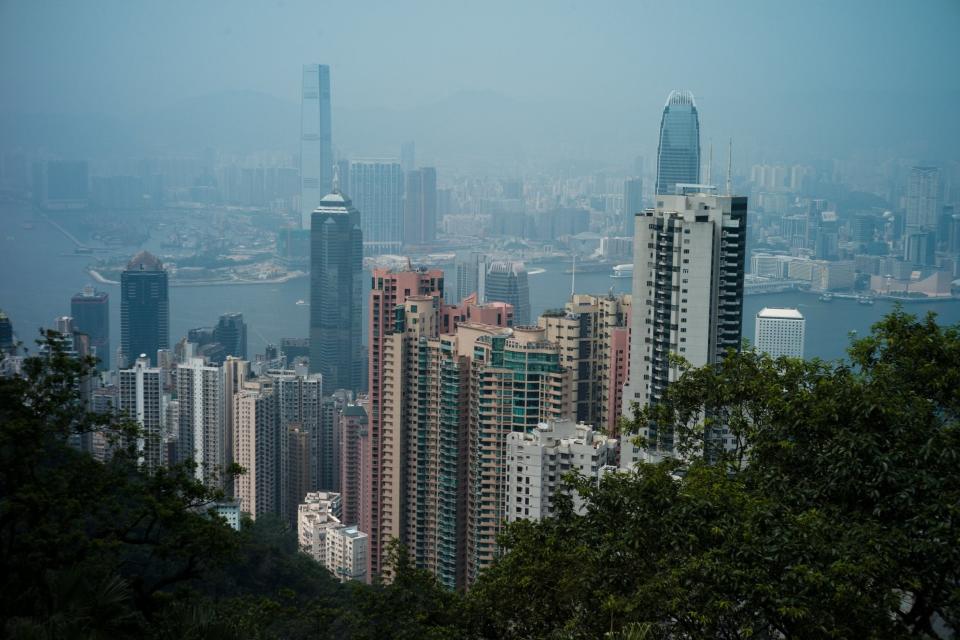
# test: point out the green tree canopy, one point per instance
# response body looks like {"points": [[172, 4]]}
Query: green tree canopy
{"points": [[832, 512]]}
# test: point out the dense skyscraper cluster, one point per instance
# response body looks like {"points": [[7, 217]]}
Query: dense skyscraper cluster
{"points": [[452, 418]]}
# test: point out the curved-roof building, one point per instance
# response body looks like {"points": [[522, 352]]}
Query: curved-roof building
{"points": [[678, 152]]}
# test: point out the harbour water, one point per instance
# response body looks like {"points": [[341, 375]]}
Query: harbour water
{"points": [[38, 275]]}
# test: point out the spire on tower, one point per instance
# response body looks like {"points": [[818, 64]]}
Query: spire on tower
{"points": [[336, 178]]}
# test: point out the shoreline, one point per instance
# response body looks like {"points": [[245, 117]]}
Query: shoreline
{"points": [[100, 279]]}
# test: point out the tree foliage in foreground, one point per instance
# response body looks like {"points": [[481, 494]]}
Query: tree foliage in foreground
{"points": [[836, 515]]}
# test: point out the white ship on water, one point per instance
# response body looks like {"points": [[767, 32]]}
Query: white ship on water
{"points": [[622, 271]]}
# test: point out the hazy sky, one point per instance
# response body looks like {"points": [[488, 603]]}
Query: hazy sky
{"points": [[759, 64]]}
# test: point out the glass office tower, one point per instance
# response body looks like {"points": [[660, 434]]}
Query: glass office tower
{"points": [[144, 309], [678, 154], [336, 287]]}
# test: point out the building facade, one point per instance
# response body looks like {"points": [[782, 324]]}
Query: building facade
{"points": [[376, 187], [336, 285], [316, 140], [388, 290], [687, 299], [141, 398], [678, 153], [780, 332], [516, 382], [91, 315], [420, 207], [257, 449], [200, 421], [632, 202], [144, 308], [923, 199], [537, 461], [593, 335], [507, 282], [231, 332]]}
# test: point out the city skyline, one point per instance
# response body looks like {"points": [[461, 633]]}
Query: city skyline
{"points": [[378, 104]]}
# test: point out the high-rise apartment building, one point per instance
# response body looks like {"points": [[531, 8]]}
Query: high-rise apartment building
{"points": [[144, 308], [632, 202], [298, 399], [419, 386], [420, 207], [201, 435], [780, 332], [231, 332], [593, 335], [327, 444], [537, 461], [354, 463], [687, 298], [257, 449], [517, 381], [235, 373], [377, 190], [388, 289], [316, 140], [141, 398], [923, 199], [678, 153], [507, 282], [336, 285], [91, 315], [426, 396]]}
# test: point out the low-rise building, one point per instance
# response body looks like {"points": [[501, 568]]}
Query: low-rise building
{"points": [[538, 460]]}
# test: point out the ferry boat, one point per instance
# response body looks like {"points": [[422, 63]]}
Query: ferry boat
{"points": [[622, 271], [301, 303], [826, 297], [867, 300]]}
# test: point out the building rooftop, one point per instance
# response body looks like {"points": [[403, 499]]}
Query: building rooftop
{"points": [[144, 261], [782, 314]]}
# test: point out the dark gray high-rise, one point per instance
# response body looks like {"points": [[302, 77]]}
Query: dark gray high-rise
{"points": [[678, 153], [144, 309], [231, 332], [91, 315], [336, 287]]}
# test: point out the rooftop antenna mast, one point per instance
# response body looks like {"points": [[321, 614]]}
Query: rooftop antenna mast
{"points": [[336, 179], [729, 164]]}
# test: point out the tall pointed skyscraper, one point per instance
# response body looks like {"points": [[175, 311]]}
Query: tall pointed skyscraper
{"points": [[678, 153], [316, 140], [336, 285]]}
